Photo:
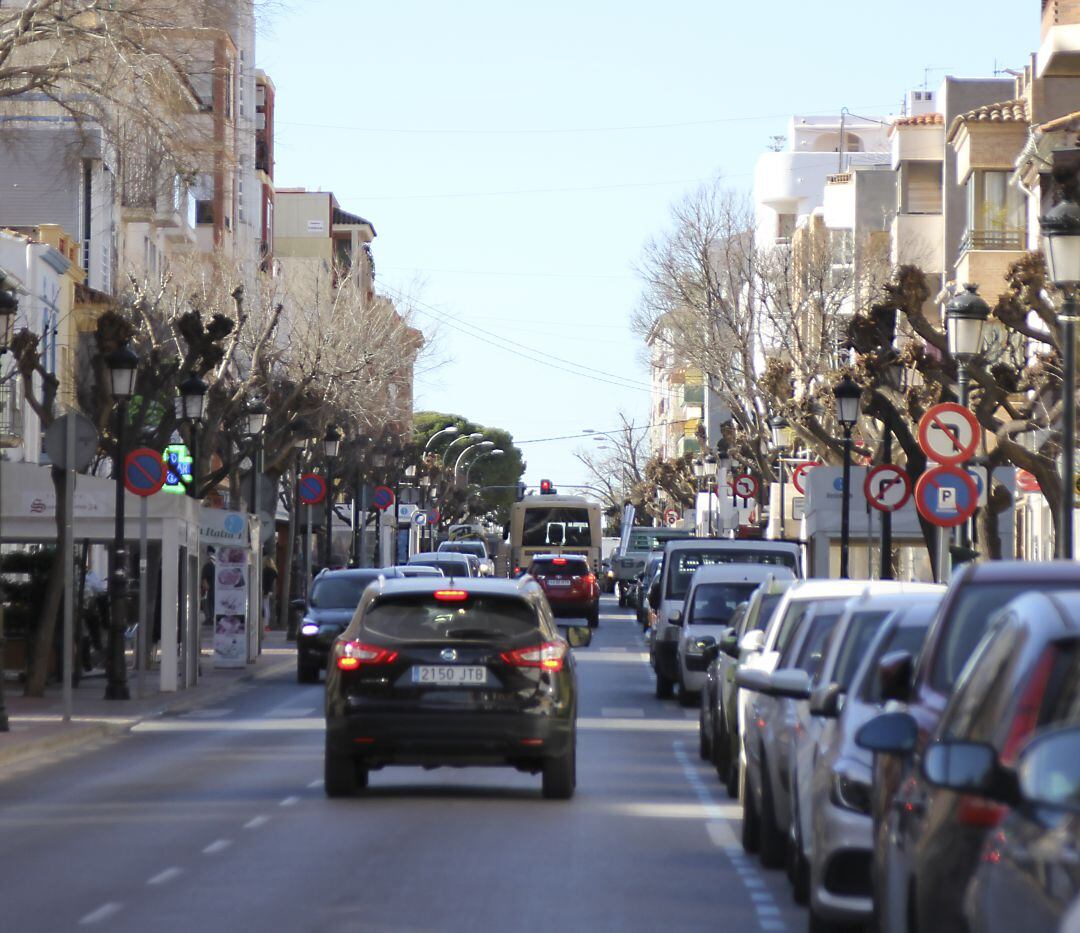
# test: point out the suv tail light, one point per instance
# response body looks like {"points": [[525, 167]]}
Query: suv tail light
{"points": [[451, 596], [589, 579], [350, 655], [979, 812], [547, 656]]}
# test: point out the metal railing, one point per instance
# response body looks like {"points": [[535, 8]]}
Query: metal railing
{"points": [[1014, 240]]}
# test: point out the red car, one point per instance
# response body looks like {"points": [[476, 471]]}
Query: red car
{"points": [[570, 586]]}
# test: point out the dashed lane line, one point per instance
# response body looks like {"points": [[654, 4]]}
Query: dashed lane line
{"points": [[163, 877], [218, 845], [312, 785], [104, 912], [256, 821], [722, 836], [289, 802]]}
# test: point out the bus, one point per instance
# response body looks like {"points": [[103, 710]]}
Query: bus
{"points": [[554, 525], [641, 542]]}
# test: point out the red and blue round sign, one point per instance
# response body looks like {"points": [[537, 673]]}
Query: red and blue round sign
{"points": [[382, 497], [312, 489], [144, 471], [946, 496]]}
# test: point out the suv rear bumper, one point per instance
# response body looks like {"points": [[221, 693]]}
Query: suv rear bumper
{"points": [[448, 738]]}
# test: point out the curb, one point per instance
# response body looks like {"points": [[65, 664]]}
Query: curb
{"points": [[70, 737]]}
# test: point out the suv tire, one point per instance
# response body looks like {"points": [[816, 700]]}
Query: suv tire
{"points": [[343, 776], [773, 841], [665, 689], [306, 672], [593, 617], [751, 823], [560, 776]]}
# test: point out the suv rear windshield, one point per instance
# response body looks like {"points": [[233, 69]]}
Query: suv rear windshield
{"points": [[451, 565], [423, 618], [685, 562], [342, 592], [714, 603], [649, 539], [569, 567]]}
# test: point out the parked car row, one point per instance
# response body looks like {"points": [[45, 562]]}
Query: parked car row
{"points": [[910, 754]]}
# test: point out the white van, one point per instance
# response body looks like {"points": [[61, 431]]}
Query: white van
{"points": [[715, 592], [681, 561]]}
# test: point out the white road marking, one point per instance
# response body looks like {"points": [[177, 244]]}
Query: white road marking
{"points": [[167, 875], [280, 724], [720, 833], [622, 712], [256, 821], [218, 845], [318, 782], [289, 802], [215, 712], [304, 711], [642, 725], [102, 913]]}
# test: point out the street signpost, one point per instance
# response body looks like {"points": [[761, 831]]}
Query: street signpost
{"points": [[420, 519], [980, 477], [671, 517], [312, 489], [946, 496], [887, 488], [144, 475], [949, 433], [798, 475]]}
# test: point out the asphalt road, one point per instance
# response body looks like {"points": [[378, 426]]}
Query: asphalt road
{"points": [[215, 820]]}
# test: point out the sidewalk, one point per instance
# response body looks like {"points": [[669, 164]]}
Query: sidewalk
{"points": [[37, 725]]}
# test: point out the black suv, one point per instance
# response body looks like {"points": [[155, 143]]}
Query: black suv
{"points": [[470, 672], [334, 596]]}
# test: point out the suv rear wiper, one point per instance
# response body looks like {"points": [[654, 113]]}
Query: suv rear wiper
{"points": [[474, 633]]}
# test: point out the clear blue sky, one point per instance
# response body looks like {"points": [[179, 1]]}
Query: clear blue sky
{"points": [[515, 157]]}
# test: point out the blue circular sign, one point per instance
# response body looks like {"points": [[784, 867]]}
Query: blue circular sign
{"points": [[234, 524], [946, 496], [312, 489], [144, 471]]}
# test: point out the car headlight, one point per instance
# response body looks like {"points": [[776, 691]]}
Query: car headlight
{"points": [[309, 628], [851, 787], [696, 646]]}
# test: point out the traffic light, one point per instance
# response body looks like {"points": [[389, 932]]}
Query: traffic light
{"points": [[546, 489], [521, 487]]}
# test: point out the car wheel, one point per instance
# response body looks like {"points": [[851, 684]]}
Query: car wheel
{"points": [[773, 841], [734, 769], [704, 732], [560, 776], [343, 776], [797, 868], [593, 617], [665, 688], [816, 924], [306, 672], [751, 824], [720, 757], [686, 698], [622, 598]]}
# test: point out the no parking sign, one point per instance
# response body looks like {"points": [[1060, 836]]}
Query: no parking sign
{"points": [[946, 496]]}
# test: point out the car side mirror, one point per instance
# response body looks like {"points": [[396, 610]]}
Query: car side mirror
{"points": [[752, 641], [791, 683], [970, 768], [749, 679], [578, 636], [712, 652], [298, 604], [1048, 770], [894, 674], [827, 701], [890, 733], [729, 644], [654, 597], [697, 657], [676, 617]]}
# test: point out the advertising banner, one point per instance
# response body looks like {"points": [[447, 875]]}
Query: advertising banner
{"points": [[231, 568]]}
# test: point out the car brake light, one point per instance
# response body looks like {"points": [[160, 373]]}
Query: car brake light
{"points": [[451, 596], [979, 812], [558, 560], [589, 578], [547, 656], [350, 655]]}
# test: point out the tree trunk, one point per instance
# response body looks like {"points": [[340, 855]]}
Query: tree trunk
{"points": [[54, 592], [285, 573]]}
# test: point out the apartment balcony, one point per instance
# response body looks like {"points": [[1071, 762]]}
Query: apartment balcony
{"points": [[1059, 53], [687, 445], [985, 257], [917, 240], [11, 426]]}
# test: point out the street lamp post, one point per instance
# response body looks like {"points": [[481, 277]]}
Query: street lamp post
{"points": [[698, 466], [723, 466], [192, 406], [897, 377], [1061, 243], [9, 304], [965, 317], [331, 448], [448, 431], [482, 445], [123, 367], [847, 394], [710, 482], [781, 434], [254, 424], [497, 452]]}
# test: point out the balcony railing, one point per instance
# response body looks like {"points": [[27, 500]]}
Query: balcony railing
{"points": [[1011, 240], [10, 413]]}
